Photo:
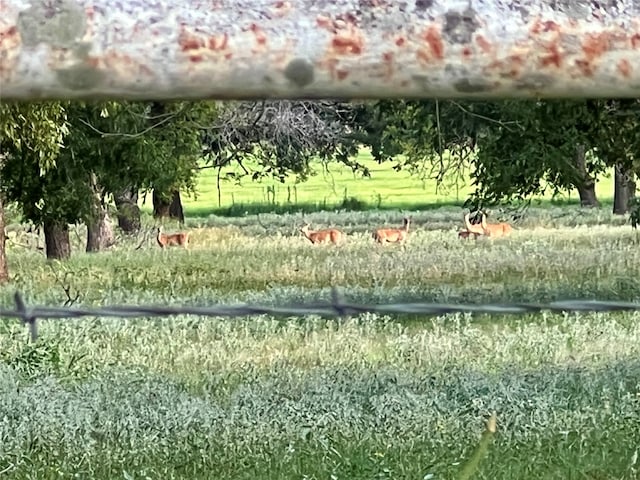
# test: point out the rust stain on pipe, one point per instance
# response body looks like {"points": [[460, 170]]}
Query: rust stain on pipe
{"points": [[171, 49]]}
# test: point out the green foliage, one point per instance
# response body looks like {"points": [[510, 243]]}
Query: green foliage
{"points": [[431, 138], [541, 148], [634, 216], [536, 151], [130, 143], [53, 150], [617, 139], [53, 194], [33, 132], [32, 138], [516, 149], [376, 126]]}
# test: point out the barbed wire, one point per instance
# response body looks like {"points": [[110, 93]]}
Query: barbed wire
{"points": [[336, 307]]}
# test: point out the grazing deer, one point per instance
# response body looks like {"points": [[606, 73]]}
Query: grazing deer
{"points": [[495, 229], [392, 235], [169, 239], [322, 236]]}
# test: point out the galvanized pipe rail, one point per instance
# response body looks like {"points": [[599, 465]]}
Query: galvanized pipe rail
{"points": [[251, 49]]}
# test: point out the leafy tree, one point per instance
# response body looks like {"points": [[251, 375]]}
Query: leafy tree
{"points": [[128, 147], [180, 145], [560, 145], [514, 148], [545, 148], [616, 141], [31, 136], [431, 138], [57, 156]]}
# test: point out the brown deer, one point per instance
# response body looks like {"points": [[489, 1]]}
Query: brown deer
{"points": [[471, 229], [170, 239], [495, 229], [331, 235], [392, 235], [490, 230]]}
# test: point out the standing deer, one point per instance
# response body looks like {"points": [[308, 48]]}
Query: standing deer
{"points": [[393, 235], [169, 239], [495, 229], [488, 229], [471, 229], [322, 236]]}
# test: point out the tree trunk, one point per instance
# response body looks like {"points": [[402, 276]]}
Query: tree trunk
{"points": [[160, 205], [168, 209], [587, 194], [128, 210], [175, 209], [4, 271], [100, 232], [586, 184], [56, 239], [624, 189], [163, 207]]}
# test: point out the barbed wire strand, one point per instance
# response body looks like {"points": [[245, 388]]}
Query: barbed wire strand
{"points": [[337, 307]]}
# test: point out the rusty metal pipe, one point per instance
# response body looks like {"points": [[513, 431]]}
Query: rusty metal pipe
{"points": [[250, 49]]}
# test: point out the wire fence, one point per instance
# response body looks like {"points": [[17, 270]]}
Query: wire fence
{"points": [[337, 306]]}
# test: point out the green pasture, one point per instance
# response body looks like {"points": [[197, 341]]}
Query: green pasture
{"points": [[338, 187], [371, 396]]}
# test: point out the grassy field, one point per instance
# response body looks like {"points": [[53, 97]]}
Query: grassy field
{"points": [[384, 397], [339, 187]]}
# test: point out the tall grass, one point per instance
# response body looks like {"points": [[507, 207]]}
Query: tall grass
{"points": [[365, 397]]}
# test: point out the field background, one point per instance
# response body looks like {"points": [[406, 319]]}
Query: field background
{"points": [[340, 187], [366, 397]]}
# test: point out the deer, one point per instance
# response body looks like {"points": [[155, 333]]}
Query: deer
{"points": [[471, 229], [490, 230], [495, 229], [331, 235], [392, 235], [170, 239]]}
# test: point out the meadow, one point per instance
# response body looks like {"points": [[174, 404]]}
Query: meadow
{"points": [[337, 187], [364, 397]]}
